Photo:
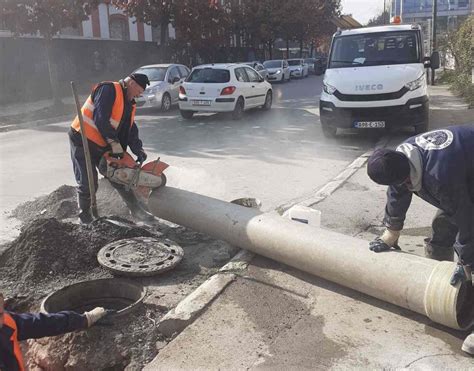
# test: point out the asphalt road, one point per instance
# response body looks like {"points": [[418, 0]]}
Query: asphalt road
{"points": [[276, 155]]}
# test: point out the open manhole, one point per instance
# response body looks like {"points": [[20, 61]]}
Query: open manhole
{"points": [[110, 293], [140, 256]]}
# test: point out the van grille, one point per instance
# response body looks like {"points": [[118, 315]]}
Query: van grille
{"points": [[370, 97]]}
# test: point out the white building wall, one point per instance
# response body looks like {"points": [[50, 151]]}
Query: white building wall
{"points": [[87, 28], [133, 29], [148, 36], [104, 21]]}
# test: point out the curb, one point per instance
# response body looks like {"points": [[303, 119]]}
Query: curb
{"points": [[178, 318], [32, 124]]}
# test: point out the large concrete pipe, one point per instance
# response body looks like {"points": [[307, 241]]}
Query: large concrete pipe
{"points": [[403, 279]]}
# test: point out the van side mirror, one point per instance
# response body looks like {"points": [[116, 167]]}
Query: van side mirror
{"points": [[434, 60]]}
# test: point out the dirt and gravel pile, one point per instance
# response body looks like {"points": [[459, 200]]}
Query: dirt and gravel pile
{"points": [[128, 344], [49, 251], [62, 204]]}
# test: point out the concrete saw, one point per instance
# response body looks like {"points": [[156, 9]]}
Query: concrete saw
{"points": [[141, 178]]}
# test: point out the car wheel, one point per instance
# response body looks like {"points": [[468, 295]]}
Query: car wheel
{"points": [[238, 111], [187, 114], [328, 130], [165, 102], [268, 101]]}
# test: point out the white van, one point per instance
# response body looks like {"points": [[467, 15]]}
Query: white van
{"points": [[375, 79]]}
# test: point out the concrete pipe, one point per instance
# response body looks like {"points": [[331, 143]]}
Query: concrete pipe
{"points": [[403, 279]]}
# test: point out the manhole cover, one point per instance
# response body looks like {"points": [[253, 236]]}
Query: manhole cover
{"points": [[140, 256]]}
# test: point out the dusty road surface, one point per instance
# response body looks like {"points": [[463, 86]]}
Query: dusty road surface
{"points": [[272, 316]]}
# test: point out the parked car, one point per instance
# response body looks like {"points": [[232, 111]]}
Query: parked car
{"points": [[165, 80], [260, 68], [222, 87], [310, 63], [278, 70], [320, 65], [298, 68]]}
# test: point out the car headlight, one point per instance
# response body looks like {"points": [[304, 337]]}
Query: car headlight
{"points": [[415, 84], [328, 88], [278, 72], [153, 90], [298, 69]]}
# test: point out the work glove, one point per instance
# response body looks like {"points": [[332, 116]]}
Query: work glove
{"points": [[141, 156], [94, 315], [388, 240], [461, 273], [116, 147]]}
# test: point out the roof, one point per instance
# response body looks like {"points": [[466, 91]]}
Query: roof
{"points": [[345, 22], [165, 65], [221, 65], [364, 30]]}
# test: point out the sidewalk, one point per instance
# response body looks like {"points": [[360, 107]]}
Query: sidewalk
{"points": [[276, 317]]}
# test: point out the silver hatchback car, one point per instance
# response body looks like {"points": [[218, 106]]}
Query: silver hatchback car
{"points": [[165, 80]]}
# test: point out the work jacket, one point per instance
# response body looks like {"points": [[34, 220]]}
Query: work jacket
{"points": [[18, 327], [109, 130], [442, 174]]}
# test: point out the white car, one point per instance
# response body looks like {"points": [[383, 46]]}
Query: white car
{"points": [[278, 70], [298, 68], [165, 80], [224, 87]]}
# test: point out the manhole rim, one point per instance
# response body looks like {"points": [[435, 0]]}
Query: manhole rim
{"points": [[128, 309]]}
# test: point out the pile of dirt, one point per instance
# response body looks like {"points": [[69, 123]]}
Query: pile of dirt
{"points": [[62, 204], [128, 344], [49, 251]]}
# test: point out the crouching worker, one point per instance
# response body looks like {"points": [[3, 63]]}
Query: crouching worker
{"points": [[15, 327], [438, 167], [109, 125]]}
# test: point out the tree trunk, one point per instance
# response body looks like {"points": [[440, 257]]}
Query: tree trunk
{"points": [[287, 48], [301, 48], [270, 49], [53, 80]]}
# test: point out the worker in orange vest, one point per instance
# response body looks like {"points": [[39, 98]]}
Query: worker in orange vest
{"points": [[15, 327], [109, 124]]}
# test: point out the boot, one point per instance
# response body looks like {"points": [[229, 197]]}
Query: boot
{"points": [[136, 209], [85, 215], [468, 345], [436, 252]]}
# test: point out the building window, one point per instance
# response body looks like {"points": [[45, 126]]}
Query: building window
{"points": [[118, 25]]}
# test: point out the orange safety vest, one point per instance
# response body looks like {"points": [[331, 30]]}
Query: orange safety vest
{"points": [[10, 322], [92, 133]]}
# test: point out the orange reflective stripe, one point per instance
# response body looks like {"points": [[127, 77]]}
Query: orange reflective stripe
{"points": [[92, 133], [10, 322]]}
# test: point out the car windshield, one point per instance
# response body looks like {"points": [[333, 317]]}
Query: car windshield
{"points": [[272, 64], [294, 62], [153, 73], [309, 60], [375, 49], [209, 75]]}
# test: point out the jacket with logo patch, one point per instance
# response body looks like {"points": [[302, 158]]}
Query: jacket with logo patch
{"points": [[442, 174]]}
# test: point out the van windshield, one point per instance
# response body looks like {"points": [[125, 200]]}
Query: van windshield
{"points": [[375, 49], [294, 62]]}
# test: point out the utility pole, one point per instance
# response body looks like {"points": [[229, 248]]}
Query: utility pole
{"points": [[383, 13], [433, 36]]}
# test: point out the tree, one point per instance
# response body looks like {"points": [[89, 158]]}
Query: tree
{"points": [[153, 12], [381, 19], [46, 18]]}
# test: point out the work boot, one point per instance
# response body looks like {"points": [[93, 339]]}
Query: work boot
{"points": [[85, 215], [468, 345], [441, 253], [137, 210]]}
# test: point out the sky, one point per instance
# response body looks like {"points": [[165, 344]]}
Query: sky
{"points": [[362, 10]]}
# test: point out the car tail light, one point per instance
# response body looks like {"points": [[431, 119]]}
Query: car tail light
{"points": [[228, 90], [182, 91]]}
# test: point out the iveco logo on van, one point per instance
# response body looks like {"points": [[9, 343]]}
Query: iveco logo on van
{"points": [[369, 87]]}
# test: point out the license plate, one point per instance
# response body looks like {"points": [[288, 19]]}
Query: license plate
{"points": [[369, 124], [201, 102]]}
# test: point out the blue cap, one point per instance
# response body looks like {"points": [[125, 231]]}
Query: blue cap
{"points": [[388, 167]]}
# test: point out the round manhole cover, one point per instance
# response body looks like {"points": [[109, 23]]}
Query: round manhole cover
{"points": [[140, 256]]}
